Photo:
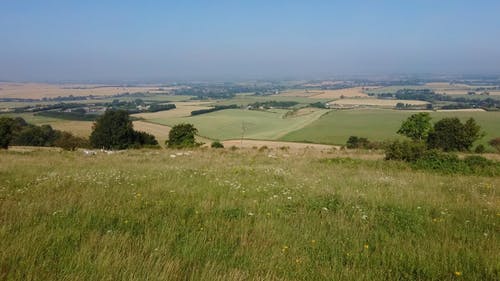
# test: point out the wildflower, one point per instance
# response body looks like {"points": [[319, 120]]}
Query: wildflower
{"points": [[458, 273], [366, 246], [284, 249], [313, 241], [364, 217], [250, 214], [289, 198], [297, 260]]}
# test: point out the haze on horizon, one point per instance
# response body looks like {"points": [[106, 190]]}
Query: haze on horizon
{"points": [[169, 40]]}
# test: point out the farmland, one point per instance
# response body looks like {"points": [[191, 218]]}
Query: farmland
{"points": [[378, 124], [241, 215], [252, 124]]}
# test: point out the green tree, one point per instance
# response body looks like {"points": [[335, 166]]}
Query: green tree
{"points": [[5, 132], [416, 127], [182, 135], [450, 134], [112, 130]]}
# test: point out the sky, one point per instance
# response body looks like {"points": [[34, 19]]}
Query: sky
{"points": [[253, 39]]}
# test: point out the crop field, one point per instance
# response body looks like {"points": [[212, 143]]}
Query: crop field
{"points": [[241, 215], [253, 124], [378, 124]]}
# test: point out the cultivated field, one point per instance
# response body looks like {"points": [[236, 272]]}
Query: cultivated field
{"points": [[253, 124], [379, 124], [221, 215], [39, 90]]}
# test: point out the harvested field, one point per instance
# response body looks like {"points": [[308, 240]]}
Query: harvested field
{"points": [[41, 90], [183, 109], [375, 102], [326, 94]]}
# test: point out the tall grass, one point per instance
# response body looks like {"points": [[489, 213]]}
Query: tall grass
{"points": [[241, 215]]}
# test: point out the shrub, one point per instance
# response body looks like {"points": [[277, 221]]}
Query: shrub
{"points": [[357, 142], [439, 161], [480, 149], [68, 141], [405, 150], [263, 148], [495, 143], [217, 144]]}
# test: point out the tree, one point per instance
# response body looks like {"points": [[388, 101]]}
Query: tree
{"points": [[5, 132], [450, 134], [416, 127], [113, 130], [182, 135]]}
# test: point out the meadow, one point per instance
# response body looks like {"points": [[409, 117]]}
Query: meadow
{"points": [[336, 126], [241, 215]]}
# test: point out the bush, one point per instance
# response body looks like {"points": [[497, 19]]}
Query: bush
{"points": [[439, 161], [217, 144], [480, 149], [68, 141], [495, 143], [181, 136], [405, 150], [357, 142]]}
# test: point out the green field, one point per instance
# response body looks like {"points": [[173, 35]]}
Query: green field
{"points": [[378, 124], [222, 215], [229, 124]]}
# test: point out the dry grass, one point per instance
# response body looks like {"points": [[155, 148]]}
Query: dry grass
{"points": [[294, 146], [375, 102], [183, 109], [326, 94]]}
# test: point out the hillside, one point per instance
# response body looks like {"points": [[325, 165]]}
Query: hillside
{"points": [[241, 215]]}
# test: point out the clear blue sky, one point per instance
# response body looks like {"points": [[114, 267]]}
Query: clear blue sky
{"points": [[224, 40]]}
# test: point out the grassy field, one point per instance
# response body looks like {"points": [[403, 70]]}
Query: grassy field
{"points": [[378, 124], [242, 215], [227, 124]]}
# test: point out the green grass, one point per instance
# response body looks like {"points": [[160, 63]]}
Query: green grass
{"points": [[378, 124], [221, 215], [227, 124]]}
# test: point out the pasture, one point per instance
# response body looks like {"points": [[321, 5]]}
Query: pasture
{"points": [[379, 124], [241, 215]]}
